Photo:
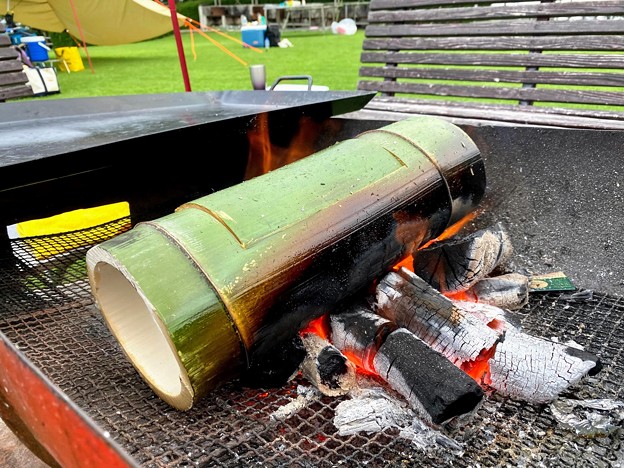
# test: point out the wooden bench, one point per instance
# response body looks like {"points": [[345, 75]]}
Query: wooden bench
{"points": [[551, 63], [13, 80]]}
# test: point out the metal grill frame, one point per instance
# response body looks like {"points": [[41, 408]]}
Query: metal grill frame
{"points": [[48, 313]]}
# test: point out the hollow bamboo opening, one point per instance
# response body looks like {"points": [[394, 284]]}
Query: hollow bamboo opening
{"points": [[141, 333]]}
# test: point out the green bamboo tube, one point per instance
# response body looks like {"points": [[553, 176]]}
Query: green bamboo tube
{"points": [[204, 294]]}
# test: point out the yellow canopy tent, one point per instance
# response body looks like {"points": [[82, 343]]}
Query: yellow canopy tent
{"points": [[97, 22]]}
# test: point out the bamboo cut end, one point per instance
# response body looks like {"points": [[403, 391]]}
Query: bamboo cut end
{"points": [[141, 333]]}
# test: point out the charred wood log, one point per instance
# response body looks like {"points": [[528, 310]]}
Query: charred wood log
{"points": [[436, 389], [410, 302], [456, 264], [508, 291], [326, 367], [531, 368]]}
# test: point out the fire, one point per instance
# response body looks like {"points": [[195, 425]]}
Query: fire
{"points": [[451, 230], [408, 262], [479, 369], [265, 155], [467, 296], [260, 161], [321, 327], [363, 365]]}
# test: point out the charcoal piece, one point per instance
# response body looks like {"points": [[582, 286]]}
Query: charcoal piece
{"points": [[360, 332], [326, 367], [537, 370], [436, 389], [455, 264]]}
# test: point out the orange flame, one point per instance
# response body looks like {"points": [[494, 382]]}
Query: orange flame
{"points": [[467, 296], [407, 262], [265, 156], [363, 361], [260, 160], [451, 230], [363, 364], [479, 369], [319, 326]]}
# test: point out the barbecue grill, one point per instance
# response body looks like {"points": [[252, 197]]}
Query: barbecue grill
{"points": [[72, 396]]}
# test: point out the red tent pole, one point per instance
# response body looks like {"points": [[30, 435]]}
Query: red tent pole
{"points": [[176, 31], [84, 43]]}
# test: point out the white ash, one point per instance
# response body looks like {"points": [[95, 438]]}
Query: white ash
{"points": [[305, 396], [589, 418], [371, 410]]}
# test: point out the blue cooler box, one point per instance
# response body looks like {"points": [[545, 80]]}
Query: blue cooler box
{"points": [[253, 35]]}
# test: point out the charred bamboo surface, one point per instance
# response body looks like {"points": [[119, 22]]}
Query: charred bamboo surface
{"points": [[208, 292]]}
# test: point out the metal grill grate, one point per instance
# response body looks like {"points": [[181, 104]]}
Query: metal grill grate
{"points": [[47, 311]]}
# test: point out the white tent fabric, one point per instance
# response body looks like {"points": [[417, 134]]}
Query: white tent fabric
{"points": [[97, 22]]}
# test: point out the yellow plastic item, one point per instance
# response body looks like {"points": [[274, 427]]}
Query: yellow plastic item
{"points": [[61, 228], [70, 56]]}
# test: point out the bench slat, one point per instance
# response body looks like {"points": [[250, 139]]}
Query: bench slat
{"points": [[8, 53], [531, 10], [588, 42], [492, 92], [497, 27], [7, 66], [495, 76], [12, 92], [517, 60], [380, 102], [377, 108], [391, 4], [13, 78]]}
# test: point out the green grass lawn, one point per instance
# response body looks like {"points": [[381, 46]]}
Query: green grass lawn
{"points": [[153, 66]]}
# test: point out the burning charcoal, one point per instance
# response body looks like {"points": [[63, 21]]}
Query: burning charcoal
{"points": [[410, 302], [511, 362], [326, 367], [436, 389], [509, 291], [530, 368], [456, 264]]}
